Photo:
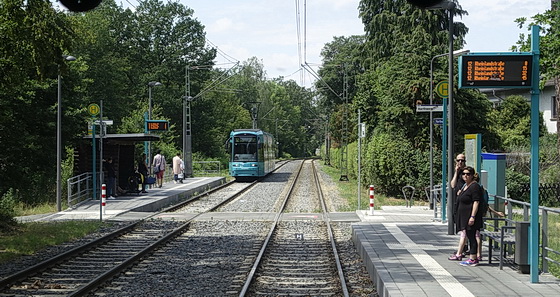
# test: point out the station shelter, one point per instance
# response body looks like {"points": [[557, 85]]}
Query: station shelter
{"points": [[121, 147]]}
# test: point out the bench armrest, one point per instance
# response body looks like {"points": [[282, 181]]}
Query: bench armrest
{"points": [[494, 224]]}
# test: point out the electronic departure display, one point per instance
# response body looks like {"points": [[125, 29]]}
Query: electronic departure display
{"points": [[157, 125], [495, 71]]}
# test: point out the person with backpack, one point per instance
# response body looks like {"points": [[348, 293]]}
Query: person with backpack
{"points": [[159, 168], [457, 184], [469, 218]]}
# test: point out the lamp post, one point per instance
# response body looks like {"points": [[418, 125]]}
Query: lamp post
{"points": [[150, 85], [449, 6], [455, 54], [59, 138]]}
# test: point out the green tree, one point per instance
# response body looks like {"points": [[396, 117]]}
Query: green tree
{"points": [[511, 121], [34, 37], [549, 49]]}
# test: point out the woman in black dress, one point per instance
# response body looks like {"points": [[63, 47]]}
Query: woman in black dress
{"points": [[468, 217]]}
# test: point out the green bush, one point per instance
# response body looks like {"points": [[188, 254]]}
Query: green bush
{"points": [[515, 182], [7, 211], [390, 163]]}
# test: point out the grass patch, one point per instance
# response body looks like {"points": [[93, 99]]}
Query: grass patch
{"points": [[29, 238], [554, 242], [349, 191], [25, 210]]}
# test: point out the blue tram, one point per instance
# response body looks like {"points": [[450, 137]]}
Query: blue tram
{"points": [[252, 153]]}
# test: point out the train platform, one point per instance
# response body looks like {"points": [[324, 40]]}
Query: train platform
{"points": [[405, 253], [133, 206]]}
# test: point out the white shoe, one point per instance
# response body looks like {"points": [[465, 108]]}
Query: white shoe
{"points": [[111, 198], [174, 181]]}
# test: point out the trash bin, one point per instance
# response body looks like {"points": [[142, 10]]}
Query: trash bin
{"points": [[521, 257]]}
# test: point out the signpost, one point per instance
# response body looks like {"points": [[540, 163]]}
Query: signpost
{"points": [[495, 70], [157, 125], [514, 70], [429, 108], [93, 110], [442, 89]]}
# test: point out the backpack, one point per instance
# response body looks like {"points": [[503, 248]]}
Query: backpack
{"points": [[483, 206]]}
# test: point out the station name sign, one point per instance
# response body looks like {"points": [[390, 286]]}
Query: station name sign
{"points": [[495, 71]]}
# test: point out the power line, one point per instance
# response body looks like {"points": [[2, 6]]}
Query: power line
{"points": [[222, 53], [298, 32]]}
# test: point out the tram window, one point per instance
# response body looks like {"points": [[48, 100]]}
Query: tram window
{"points": [[245, 149]]}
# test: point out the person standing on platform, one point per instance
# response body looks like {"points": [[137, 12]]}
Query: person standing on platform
{"points": [[111, 178], [469, 219], [456, 184], [178, 167], [143, 169], [158, 166]]}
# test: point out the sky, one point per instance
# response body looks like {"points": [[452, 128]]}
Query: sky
{"points": [[268, 29]]}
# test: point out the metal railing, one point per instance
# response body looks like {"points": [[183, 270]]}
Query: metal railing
{"points": [[544, 213], [436, 203], [79, 188], [207, 167], [523, 209]]}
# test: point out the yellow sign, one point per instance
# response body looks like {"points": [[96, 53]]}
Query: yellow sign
{"points": [[442, 89], [93, 109]]}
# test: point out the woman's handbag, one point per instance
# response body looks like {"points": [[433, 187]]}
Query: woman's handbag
{"points": [[180, 175], [156, 169]]}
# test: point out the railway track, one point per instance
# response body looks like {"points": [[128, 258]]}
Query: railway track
{"points": [[211, 254], [83, 269], [298, 257]]}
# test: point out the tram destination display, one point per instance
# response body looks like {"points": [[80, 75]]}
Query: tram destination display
{"points": [[157, 125], [495, 71]]}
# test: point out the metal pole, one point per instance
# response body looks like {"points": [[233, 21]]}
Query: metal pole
{"points": [[94, 153], [534, 192], [187, 141], [451, 134], [101, 176], [59, 146], [185, 102], [431, 134], [444, 196], [359, 158], [149, 118]]}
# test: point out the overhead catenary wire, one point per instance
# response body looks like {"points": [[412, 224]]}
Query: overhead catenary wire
{"points": [[298, 34], [221, 52], [220, 79], [317, 77]]}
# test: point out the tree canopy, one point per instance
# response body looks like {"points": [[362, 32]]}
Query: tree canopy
{"points": [[118, 52]]}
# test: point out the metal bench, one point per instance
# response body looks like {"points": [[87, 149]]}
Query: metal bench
{"points": [[501, 235]]}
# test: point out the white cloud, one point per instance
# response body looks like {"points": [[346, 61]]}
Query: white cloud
{"points": [[491, 22]]}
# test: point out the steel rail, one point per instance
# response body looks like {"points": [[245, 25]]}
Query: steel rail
{"points": [[330, 232], [42, 266], [94, 284], [21, 275], [251, 274]]}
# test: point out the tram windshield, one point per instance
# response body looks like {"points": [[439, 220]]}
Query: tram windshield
{"points": [[245, 149]]}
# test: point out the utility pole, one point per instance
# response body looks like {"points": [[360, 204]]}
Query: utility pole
{"points": [[344, 147], [187, 136]]}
